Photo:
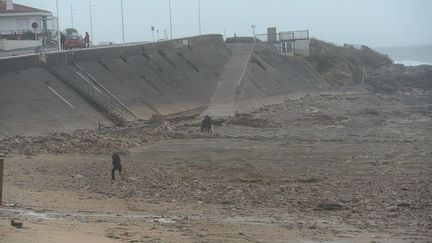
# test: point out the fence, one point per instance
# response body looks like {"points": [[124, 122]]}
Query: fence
{"points": [[289, 43]]}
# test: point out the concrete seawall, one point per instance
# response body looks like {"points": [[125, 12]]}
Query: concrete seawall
{"points": [[81, 88], [164, 77]]}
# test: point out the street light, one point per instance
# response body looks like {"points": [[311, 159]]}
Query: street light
{"points": [[58, 27], [253, 31], [122, 17], [153, 29], [72, 10], [91, 21], [170, 16], [199, 16]]}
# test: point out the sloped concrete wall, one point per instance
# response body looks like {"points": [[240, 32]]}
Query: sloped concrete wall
{"points": [[165, 77], [29, 105]]}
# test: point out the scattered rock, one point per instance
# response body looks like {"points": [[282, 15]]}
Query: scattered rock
{"points": [[16, 224], [165, 221], [404, 204], [78, 176], [331, 205]]}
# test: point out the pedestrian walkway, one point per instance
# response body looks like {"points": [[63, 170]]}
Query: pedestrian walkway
{"points": [[223, 101]]}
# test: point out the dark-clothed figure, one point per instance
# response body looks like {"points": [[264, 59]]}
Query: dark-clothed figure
{"points": [[62, 40], [206, 124], [87, 39], [116, 161]]}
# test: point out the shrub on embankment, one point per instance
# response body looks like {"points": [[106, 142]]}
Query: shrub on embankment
{"points": [[341, 65]]}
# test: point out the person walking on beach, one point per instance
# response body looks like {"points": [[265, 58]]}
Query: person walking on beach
{"points": [[116, 162]]}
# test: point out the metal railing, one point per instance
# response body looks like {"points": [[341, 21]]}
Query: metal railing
{"points": [[240, 82], [115, 103], [94, 92]]}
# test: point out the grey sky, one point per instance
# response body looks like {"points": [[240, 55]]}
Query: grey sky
{"points": [[372, 22]]}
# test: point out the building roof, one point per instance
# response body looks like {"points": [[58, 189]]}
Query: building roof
{"points": [[18, 8]]}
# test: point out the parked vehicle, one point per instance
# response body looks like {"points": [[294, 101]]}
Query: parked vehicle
{"points": [[74, 41]]}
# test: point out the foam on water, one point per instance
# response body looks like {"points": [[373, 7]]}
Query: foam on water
{"points": [[412, 63]]}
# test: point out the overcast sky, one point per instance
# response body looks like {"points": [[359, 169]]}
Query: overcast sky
{"points": [[375, 23]]}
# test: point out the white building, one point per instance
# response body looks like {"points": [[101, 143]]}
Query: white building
{"points": [[17, 19]]}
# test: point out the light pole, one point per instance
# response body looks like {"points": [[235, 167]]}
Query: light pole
{"points": [[122, 17], [72, 20], [170, 16], [199, 16], [58, 27], [153, 29], [91, 21], [253, 31]]}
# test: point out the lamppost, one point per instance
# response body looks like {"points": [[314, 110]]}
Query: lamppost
{"points": [[91, 21], [153, 29], [58, 27], [72, 20], [170, 17], [122, 17], [199, 16], [253, 31]]}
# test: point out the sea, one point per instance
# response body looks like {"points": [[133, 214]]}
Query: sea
{"points": [[413, 55]]}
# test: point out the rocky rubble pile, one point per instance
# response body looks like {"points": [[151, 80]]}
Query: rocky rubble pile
{"points": [[86, 141], [93, 142]]}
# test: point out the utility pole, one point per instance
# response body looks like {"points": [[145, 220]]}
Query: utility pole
{"points": [[122, 17], [58, 27], [1, 178], [91, 21], [170, 17], [253, 32], [72, 19], [199, 16]]}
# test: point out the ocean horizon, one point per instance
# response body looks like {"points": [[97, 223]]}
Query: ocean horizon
{"points": [[413, 55]]}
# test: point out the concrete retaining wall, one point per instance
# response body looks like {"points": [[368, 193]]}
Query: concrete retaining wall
{"points": [[157, 78], [19, 63], [18, 44]]}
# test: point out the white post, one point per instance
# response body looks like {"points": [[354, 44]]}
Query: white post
{"points": [[72, 16], [58, 27], [199, 16], [122, 17], [91, 22], [170, 16], [253, 32]]}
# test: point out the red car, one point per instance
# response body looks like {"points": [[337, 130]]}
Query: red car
{"points": [[74, 41]]}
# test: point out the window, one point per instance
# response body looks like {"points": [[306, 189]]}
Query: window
{"points": [[23, 24]]}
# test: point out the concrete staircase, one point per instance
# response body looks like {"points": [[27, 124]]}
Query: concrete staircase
{"points": [[223, 103]]}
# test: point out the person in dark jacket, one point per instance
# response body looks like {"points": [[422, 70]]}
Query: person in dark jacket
{"points": [[116, 161], [62, 40], [206, 124], [87, 40]]}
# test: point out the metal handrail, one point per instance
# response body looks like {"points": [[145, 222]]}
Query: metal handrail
{"points": [[239, 83], [107, 92]]}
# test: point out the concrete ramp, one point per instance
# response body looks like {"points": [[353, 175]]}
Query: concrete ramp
{"points": [[223, 103]]}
